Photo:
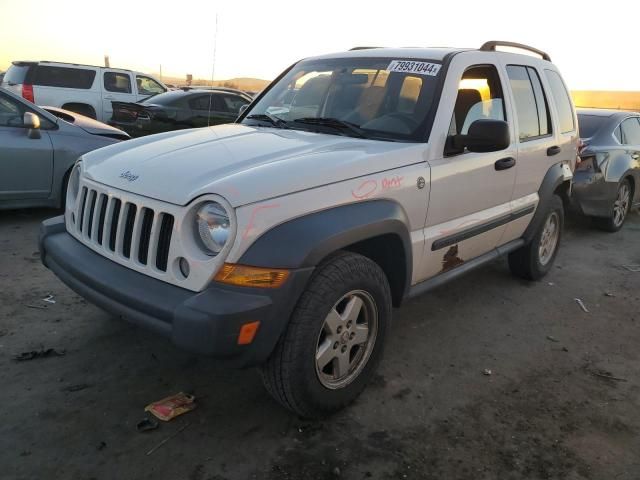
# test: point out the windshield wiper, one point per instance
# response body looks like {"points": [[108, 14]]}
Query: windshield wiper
{"points": [[276, 121], [336, 123]]}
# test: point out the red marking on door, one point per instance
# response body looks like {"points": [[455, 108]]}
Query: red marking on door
{"points": [[393, 182]]}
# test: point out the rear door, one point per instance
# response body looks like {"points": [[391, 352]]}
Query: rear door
{"points": [[26, 164], [116, 86]]}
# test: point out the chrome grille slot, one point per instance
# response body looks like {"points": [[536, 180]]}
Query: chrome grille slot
{"points": [[102, 208]]}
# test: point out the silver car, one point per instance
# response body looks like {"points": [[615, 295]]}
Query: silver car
{"points": [[606, 183], [38, 148]]}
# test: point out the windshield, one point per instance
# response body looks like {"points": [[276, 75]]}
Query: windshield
{"points": [[590, 124], [381, 98]]}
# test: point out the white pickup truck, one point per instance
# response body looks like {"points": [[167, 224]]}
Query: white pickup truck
{"points": [[353, 182], [83, 89]]}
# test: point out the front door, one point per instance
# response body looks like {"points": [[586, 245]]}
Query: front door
{"points": [[469, 205], [26, 164]]}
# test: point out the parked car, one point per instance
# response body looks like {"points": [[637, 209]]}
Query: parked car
{"points": [[283, 240], [606, 184], [38, 148], [185, 108], [83, 89]]}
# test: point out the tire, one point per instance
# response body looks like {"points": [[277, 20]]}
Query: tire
{"points": [[532, 261], [82, 109], [292, 375], [619, 209]]}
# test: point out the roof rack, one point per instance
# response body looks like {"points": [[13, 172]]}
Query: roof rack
{"points": [[362, 48], [491, 47]]}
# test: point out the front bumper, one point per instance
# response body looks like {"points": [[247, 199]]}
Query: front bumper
{"points": [[206, 322], [591, 195]]}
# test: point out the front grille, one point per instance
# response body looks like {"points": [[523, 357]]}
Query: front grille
{"points": [[139, 234]]}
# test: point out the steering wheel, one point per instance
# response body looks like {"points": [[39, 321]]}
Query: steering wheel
{"points": [[404, 118]]}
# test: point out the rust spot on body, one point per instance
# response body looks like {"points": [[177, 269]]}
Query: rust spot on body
{"points": [[451, 259]]}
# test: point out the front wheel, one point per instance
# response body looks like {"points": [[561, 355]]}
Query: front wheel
{"points": [[619, 209], [334, 340], [534, 260]]}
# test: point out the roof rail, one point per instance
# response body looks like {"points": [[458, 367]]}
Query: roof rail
{"points": [[491, 47], [362, 48]]}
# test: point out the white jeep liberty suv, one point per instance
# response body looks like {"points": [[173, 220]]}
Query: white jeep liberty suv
{"points": [[354, 181]]}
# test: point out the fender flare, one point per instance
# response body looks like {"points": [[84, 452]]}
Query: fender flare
{"points": [[304, 241], [554, 177]]}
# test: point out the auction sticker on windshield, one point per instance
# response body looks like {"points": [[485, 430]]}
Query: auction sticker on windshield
{"points": [[421, 68]]}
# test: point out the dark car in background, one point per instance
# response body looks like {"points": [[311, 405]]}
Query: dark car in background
{"points": [[606, 183], [178, 109]]}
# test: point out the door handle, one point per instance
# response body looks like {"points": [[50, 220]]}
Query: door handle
{"points": [[551, 151], [505, 163]]}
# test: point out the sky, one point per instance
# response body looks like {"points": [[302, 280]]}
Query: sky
{"points": [[593, 44]]}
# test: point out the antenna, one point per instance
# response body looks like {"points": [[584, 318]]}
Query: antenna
{"points": [[213, 69]]}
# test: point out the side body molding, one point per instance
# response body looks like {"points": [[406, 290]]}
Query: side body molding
{"points": [[305, 241]]}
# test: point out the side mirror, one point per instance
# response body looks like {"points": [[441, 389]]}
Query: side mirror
{"points": [[32, 122], [485, 135]]}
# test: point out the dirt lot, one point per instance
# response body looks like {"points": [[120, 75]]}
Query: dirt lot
{"points": [[546, 411]]}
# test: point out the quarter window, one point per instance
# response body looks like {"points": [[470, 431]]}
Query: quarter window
{"points": [[630, 131], [562, 101], [530, 102], [64, 77], [117, 82]]}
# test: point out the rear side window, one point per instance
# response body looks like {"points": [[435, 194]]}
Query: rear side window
{"points": [[63, 77], [630, 131], [117, 82], [530, 101], [589, 125], [563, 101]]}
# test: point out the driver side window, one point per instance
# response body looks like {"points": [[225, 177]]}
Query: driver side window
{"points": [[479, 96], [11, 113]]}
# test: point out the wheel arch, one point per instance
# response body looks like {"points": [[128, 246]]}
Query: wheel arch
{"points": [[376, 229], [555, 182]]}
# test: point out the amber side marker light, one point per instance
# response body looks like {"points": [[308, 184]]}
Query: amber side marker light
{"points": [[244, 276], [247, 333]]}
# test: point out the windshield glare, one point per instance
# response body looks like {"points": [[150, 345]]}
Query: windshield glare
{"points": [[362, 91]]}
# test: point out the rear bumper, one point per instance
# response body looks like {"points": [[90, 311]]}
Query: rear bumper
{"points": [[137, 129], [206, 322], [591, 195]]}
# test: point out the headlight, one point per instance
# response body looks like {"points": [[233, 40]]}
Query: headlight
{"points": [[73, 187], [213, 226]]}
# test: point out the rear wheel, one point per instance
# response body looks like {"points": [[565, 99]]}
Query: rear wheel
{"points": [[619, 209], [534, 260], [334, 340]]}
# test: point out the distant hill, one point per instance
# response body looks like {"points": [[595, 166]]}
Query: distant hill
{"points": [[242, 83], [607, 99]]}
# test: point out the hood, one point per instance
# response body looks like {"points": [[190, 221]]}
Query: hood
{"points": [[87, 124], [244, 164]]}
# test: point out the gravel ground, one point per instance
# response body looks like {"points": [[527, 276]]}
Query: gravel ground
{"points": [[547, 410]]}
